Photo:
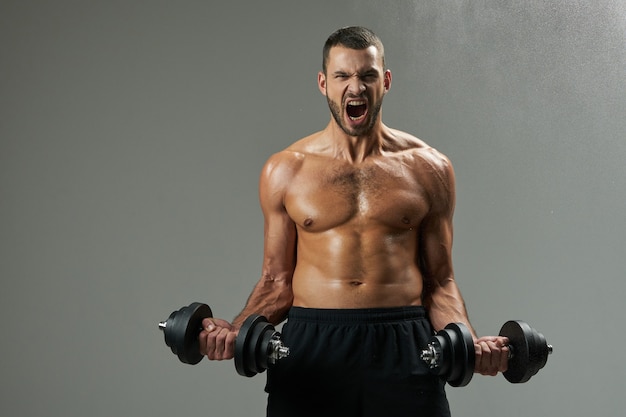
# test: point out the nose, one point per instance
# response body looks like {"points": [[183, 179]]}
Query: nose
{"points": [[356, 86]]}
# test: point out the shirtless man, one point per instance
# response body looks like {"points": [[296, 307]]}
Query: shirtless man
{"points": [[357, 256]]}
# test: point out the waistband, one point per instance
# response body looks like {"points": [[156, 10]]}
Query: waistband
{"points": [[356, 315]]}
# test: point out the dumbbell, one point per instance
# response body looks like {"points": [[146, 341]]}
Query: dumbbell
{"points": [[257, 344], [450, 354]]}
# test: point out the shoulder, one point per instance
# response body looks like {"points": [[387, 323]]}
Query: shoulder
{"points": [[419, 151], [442, 183], [282, 167], [433, 168], [278, 171], [439, 163], [290, 160]]}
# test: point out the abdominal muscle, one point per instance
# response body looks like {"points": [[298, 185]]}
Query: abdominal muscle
{"points": [[357, 270]]}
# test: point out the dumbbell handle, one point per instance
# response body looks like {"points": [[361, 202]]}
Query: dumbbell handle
{"points": [[277, 349], [432, 354], [512, 350], [163, 326], [450, 353]]}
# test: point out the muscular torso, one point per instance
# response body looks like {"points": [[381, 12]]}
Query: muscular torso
{"points": [[357, 228]]}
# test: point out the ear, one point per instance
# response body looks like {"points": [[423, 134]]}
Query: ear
{"points": [[387, 80], [321, 82]]}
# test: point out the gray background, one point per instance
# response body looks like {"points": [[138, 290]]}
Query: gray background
{"points": [[131, 139]]}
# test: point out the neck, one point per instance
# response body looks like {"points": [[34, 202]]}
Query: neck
{"points": [[356, 149]]}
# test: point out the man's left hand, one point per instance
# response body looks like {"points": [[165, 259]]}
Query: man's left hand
{"points": [[492, 355]]}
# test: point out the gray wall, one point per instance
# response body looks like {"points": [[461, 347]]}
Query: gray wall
{"points": [[131, 139]]}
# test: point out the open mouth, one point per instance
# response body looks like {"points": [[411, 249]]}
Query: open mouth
{"points": [[356, 109]]}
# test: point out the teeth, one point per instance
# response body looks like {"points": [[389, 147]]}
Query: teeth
{"points": [[356, 103]]}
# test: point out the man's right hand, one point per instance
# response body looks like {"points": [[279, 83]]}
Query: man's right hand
{"points": [[217, 339]]}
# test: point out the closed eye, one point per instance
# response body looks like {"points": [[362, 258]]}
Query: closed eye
{"points": [[369, 76]]}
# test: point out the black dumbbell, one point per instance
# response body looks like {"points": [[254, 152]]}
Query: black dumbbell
{"points": [[450, 353], [257, 345]]}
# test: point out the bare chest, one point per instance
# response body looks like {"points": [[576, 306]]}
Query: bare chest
{"points": [[325, 197]]}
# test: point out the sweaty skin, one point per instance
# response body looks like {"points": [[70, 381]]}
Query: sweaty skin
{"points": [[357, 224], [358, 215]]}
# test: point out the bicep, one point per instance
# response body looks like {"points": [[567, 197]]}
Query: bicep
{"points": [[437, 230], [272, 296], [436, 250], [279, 253], [279, 243]]}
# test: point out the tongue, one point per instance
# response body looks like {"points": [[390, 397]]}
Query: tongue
{"points": [[356, 111]]}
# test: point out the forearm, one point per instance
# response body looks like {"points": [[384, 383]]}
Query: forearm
{"points": [[271, 297], [445, 305]]}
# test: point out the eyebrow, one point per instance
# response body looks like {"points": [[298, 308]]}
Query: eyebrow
{"points": [[368, 72], [365, 73]]}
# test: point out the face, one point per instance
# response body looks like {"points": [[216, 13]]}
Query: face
{"points": [[354, 85]]}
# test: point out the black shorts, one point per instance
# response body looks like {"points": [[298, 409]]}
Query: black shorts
{"points": [[355, 363]]}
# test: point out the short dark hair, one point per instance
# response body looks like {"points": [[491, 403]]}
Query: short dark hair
{"points": [[353, 37]]}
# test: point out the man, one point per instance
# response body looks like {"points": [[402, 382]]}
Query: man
{"points": [[357, 256]]}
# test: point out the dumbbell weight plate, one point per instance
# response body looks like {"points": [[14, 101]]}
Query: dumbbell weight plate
{"points": [[521, 338], [244, 352], [463, 354], [529, 351], [256, 353], [539, 352], [181, 331]]}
